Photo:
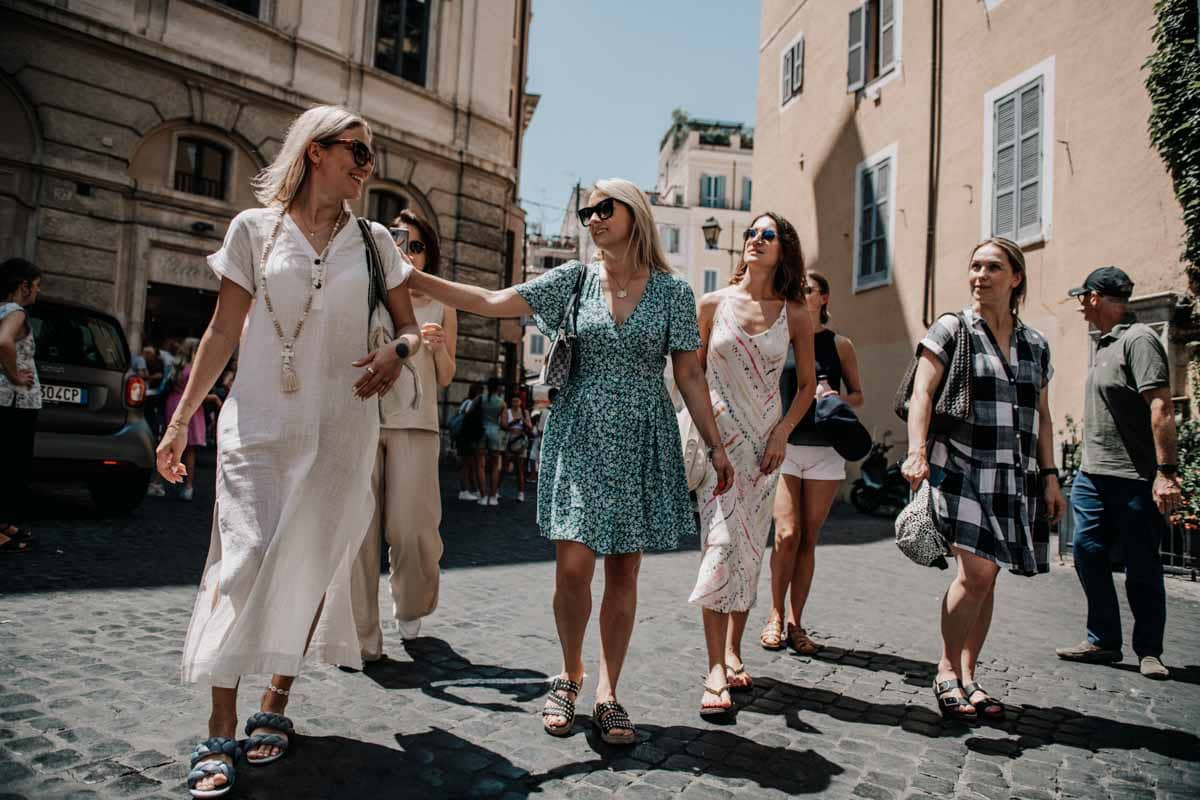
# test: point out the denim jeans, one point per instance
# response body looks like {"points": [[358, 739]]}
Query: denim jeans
{"points": [[1109, 511]]}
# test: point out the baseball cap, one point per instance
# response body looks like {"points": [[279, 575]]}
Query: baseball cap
{"points": [[1110, 281]]}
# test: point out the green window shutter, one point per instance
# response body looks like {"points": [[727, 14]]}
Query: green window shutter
{"points": [[1029, 200], [1004, 167], [887, 35], [719, 191], [798, 66], [785, 80], [866, 231], [856, 71]]}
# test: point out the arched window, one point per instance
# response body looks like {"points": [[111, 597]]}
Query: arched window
{"points": [[386, 206], [201, 167]]}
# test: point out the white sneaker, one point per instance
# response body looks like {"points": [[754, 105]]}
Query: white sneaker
{"points": [[464, 495], [186, 494], [409, 630], [471, 496], [494, 500], [520, 497], [155, 490], [483, 501]]}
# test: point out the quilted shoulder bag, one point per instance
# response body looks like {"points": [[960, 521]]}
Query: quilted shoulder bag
{"points": [[917, 532], [556, 369], [952, 399], [380, 330]]}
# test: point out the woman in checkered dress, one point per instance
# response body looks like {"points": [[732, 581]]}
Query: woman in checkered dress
{"points": [[993, 478]]}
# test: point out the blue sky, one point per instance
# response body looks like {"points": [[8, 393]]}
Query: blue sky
{"points": [[610, 72]]}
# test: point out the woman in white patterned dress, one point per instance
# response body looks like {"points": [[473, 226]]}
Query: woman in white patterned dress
{"points": [[295, 444], [745, 331]]}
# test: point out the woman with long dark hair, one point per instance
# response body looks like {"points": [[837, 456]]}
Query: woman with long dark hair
{"points": [[745, 332]]}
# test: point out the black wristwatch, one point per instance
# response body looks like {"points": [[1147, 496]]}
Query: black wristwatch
{"points": [[1047, 472], [1168, 470]]}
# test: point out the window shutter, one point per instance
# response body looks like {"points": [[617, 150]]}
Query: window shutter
{"points": [[785, 80], [1004, 168], [719, 192], [856, 71], [887, 35], [1029, 202], [883, 176], [866, 233], [798, 66], [705, 192]]}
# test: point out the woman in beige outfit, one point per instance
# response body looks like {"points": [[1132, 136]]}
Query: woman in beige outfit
{"points": [[408, 500]]}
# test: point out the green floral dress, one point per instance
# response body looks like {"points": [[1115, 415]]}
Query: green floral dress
{"points": [[612, 466]]}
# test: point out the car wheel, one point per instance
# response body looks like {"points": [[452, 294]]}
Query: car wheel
{"points": [[120, 495]]}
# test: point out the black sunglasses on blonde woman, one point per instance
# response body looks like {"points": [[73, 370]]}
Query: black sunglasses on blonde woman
{"points": [[768, 234], [603, 210], [363, 155]]}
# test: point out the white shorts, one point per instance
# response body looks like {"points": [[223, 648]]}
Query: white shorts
{"points": [[813, 463]]}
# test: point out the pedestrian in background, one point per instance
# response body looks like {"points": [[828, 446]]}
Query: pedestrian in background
{"points": [[295, 449], [992, 477], [139, 365], [1128, 481], [468, 443], [518, 428], [745, 332], [158, 382], [617, 484], [811, 475], [196, 426], [20, 397], [492, 406], [540, 420], [405, 485]]}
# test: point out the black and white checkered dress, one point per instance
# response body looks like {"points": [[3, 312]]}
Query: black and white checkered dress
{"points": [[984, 472]]}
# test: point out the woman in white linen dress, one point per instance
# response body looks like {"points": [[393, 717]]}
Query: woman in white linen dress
{"points": [[295, 442], [746, 329]]}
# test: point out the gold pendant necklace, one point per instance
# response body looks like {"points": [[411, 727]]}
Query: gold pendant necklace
{"points": [[621, 290]]}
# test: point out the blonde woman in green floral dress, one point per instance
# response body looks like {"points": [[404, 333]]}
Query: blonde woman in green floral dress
{"points": [[613, 482]]}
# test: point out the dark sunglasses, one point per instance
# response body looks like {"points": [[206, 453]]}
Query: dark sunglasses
{"points": [[363, 155], [604, 210], [768, 234]]}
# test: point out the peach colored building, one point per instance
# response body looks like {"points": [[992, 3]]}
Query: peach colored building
{"points": [[896, 134]]}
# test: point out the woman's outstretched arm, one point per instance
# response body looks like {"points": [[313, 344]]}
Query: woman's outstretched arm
{"points": [[475, 299]]}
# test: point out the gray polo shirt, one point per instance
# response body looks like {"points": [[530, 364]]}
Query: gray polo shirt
{"points": [[1117, 439]]}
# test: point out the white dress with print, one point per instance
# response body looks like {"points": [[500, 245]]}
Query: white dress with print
{"points": [[293, 485]]}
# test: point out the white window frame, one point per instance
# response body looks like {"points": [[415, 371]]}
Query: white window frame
{"points": [[537, 345], [1044, 70], [713, 179], [888, 153], [715, 279], [670, 236], [793, 91]]}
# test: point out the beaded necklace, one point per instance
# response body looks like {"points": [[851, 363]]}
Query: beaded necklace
{"points": [[291, 382]]}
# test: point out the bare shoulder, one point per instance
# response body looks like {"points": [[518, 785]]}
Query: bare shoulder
{"points": [[711, 300], [843, 344]]}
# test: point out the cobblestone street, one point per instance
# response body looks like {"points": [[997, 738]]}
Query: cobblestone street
{"points": [[91, 627]]}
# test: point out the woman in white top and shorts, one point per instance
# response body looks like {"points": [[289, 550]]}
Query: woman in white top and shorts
{"points": [[811, 475]]}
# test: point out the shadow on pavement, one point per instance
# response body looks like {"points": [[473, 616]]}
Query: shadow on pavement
{"points": [[916, 673], [439, 671], [1189, 674], [1031, 726]]}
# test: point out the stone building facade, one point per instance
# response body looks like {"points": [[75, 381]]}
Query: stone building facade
{"points": [[896, 134], [133, 129]]}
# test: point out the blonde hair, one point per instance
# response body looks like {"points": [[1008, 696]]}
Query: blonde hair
{"points": [[644, 243], [187, 351], [282, 178]]}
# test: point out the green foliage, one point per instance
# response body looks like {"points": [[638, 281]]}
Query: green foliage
{"points": [[1173, 82], [1189, 474]]}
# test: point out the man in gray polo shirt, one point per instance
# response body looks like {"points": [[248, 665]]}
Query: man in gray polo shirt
{"points": [[1127, 483]]}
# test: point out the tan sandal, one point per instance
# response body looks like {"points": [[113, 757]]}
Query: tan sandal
{"points": [[715, 711], [799, 641], [738, 678], [771, 637]]}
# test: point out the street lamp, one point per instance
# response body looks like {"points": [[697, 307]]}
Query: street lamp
{"points": [[712, 237]]}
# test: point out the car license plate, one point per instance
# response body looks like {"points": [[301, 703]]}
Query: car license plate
{"points": [[72, 395]]}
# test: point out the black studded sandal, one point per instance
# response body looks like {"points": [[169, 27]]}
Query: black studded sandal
{"points": [[953, 707], [270, 721], [559, 706], [611, 715], [987, 708]]}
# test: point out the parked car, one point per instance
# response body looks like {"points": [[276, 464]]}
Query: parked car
{"points": [[91, 426]]}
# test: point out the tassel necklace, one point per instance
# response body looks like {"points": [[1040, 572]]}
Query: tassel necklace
{"points": [[291, 381]]}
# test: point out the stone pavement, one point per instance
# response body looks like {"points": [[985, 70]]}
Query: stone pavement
{"points": [[90, 705]]}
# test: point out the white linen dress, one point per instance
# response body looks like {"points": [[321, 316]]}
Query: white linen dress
{"points": [[293, 486]]}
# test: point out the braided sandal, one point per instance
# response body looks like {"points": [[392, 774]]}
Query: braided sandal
{"points": [[771, 637], [987, 708], [204, 763], [953, 707], [611, 715], [559, 706], [799, 641], [271, 721]]}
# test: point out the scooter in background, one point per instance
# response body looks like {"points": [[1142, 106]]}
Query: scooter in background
{"points": [[880, 488]]}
